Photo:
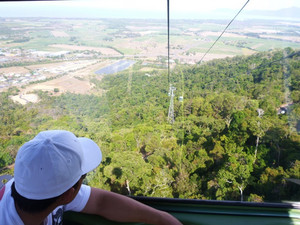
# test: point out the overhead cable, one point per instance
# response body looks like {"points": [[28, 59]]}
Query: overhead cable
{"points": [[223, 32], [168, 18]]}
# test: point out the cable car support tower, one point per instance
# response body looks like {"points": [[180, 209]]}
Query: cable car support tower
{"points": [[171, 118], [172, 89]]}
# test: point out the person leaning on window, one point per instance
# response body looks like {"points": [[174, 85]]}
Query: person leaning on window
{"points": [[48, 175]]}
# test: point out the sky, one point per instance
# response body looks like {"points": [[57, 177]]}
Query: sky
{"points": [[136, 8]]}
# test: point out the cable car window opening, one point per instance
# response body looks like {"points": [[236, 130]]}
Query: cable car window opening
{"points": [[226, 129]]}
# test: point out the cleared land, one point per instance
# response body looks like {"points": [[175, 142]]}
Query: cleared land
{"points": [[88, 42], [287, 38], [57, 33], [64, 84], [15, 69], [24, 99], [74, 82], [216, 34]]}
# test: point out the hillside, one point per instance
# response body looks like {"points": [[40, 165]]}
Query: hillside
{"points": [[219, 146]]}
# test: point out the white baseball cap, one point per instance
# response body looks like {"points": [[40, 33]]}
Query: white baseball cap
{"points": [[53, 162]]}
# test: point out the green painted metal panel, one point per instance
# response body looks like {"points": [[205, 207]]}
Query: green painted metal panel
{"points": [[198, 212]]}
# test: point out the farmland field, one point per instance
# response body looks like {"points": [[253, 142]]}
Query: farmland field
{"points": [[28, 43]]}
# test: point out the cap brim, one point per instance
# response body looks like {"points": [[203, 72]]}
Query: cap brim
{"points": [[92, 154]]}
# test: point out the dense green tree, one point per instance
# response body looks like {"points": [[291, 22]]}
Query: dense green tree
{"points": [[221, 145]]}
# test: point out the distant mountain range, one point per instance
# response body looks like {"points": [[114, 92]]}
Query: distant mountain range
{"points": [[44, 10], [292, 12]]}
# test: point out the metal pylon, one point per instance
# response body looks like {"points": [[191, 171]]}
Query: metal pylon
{"points": [[171, 107]]}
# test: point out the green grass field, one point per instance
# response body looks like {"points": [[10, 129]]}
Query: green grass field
{"points": [[132, 37]]}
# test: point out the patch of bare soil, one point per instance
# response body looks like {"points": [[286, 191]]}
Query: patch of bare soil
{"points": [[212, 33], [64, 84], [74, 82], [24, 99], [58, 33], [287, 38], [15, 69]]}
